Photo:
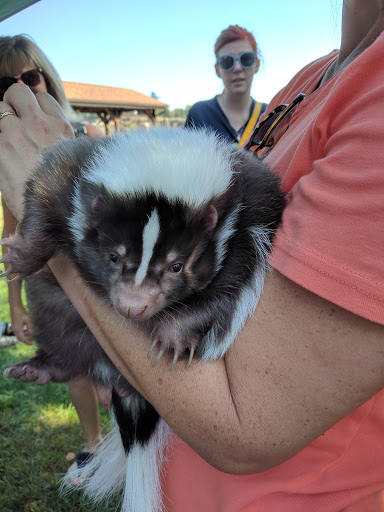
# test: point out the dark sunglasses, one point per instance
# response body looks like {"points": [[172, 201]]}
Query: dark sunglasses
{"points": [[30, 78], [246, 60], [272, 127]]}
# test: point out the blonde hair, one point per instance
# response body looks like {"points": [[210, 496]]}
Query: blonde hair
{"points": [[20, 51]]}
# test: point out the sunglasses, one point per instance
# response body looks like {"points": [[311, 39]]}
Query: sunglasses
{"points": [[246, 60], [272, 127], [30, 78]]}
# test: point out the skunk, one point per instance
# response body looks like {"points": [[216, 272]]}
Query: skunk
{"points": [[173, 228]]}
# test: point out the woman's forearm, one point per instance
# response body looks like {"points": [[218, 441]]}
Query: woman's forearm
{"points": [[196, 401]]}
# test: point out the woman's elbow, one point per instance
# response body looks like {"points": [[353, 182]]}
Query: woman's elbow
{"points": [[245, 460]]}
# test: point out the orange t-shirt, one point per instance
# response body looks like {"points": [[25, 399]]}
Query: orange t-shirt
{"points": [[331, 242]]}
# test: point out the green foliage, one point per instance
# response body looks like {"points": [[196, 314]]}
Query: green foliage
{"points": [[176, 113]]}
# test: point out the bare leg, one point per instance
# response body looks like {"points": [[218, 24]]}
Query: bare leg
{"points": [[84, 398]]}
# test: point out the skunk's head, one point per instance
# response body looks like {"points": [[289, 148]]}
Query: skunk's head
{"points": [[144, 216]]}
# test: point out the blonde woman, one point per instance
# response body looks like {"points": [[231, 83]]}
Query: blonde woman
{"points": [[21, 60]]}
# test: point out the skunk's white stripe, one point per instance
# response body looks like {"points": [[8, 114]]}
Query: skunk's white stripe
{"points": [[187, 165], [246, 303], [246, 306], [227, 230], [151, 233], [192, 166], [77, 222]]}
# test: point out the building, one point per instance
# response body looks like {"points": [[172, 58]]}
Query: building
{"points": [[109, 103]]}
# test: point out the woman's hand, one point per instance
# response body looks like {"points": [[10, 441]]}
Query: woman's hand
{"points": [[21, 324], [38, 123]]}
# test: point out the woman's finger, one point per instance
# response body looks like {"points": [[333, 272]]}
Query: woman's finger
{"points": [[51, 108], [49, 105], [21, 100], [26, 104], [36, 110]]}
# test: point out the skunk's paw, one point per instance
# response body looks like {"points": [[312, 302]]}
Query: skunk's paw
{"points": [[16, 257], [172, 337], [27, 373], [104, 394]]}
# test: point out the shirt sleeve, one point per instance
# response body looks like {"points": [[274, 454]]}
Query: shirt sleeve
{"points": [[331, 240]]}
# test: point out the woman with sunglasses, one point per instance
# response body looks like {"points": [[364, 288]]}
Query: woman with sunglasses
{"points": [[292, 419], [22, 61], [234, 111]]}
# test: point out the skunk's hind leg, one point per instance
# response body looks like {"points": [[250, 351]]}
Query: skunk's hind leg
{"points": [[38, 369]]}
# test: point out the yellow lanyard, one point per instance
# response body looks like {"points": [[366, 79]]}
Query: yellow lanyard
{"points": [[251, 123]]}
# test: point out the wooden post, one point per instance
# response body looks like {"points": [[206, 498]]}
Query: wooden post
{"points": [[151, 115]]}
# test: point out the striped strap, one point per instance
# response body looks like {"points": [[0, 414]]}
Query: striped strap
{"points": [[251, 123]]}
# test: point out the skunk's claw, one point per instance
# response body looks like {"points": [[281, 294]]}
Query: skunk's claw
{"points": [[28, 373], [151, 349], [6, 273], [17, 276], [175, 359], [173, 340], [191, 353], [158, 357], [21, 370], [6, 372]]}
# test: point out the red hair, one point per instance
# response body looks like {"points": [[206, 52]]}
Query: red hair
{"points": [[234, 33]]}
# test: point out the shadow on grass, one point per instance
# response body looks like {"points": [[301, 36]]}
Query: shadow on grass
{"points": [[38, 427]]}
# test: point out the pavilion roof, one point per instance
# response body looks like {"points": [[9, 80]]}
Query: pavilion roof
{"points": [[100, 96]]}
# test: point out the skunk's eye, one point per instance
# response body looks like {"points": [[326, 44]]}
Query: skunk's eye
{"points": [[177, 267], [114, 258]]}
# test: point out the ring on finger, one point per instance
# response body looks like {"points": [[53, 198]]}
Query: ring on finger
{"points": [[4, 113]]}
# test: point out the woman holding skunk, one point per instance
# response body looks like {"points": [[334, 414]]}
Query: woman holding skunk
{"points": [[293, 417]]}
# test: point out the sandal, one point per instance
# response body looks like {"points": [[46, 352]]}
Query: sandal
{"points": [[81, 460], [6, 329]]}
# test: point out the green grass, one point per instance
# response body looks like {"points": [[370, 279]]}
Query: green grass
{"points": [[38, 427]]}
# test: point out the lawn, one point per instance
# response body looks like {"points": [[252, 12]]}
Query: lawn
{"points": [[39, 432]]}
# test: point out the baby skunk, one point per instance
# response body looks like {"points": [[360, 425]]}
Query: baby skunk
{"points": [[173, 228]]}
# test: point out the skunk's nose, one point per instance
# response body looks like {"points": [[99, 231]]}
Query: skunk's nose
{"points": [[136, 312]]}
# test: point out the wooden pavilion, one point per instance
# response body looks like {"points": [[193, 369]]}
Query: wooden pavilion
{"points": [[109, 103]]}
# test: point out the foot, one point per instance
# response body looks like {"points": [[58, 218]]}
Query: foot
{"points": [[19, 257], [81, 460], [27, 373]]}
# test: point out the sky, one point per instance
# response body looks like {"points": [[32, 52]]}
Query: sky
{"points": [[167, 47]]}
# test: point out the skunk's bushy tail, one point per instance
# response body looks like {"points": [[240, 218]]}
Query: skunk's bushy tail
{"points": [[134, 473]]}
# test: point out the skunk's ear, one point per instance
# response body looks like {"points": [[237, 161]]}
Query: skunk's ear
{"points": [[211, 219], [96, 207]]}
